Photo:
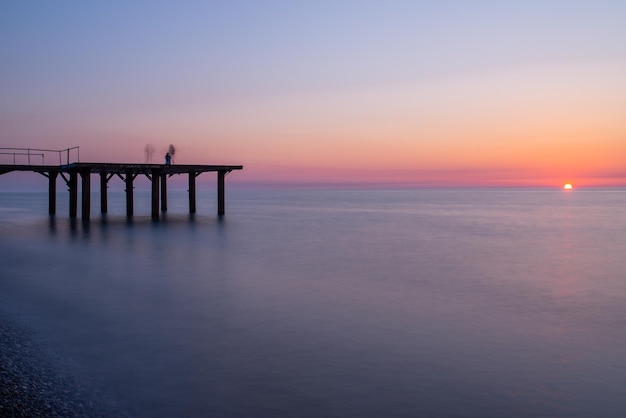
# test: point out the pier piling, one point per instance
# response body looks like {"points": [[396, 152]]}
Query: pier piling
{"points": [[86, 193], [157, 173], [73, 186], [163, 192], [129, 192], [154, 178], [52, 192], [221, 174], [104, 201], [192, 192]]}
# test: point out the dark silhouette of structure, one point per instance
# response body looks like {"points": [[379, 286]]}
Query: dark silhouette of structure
{"points": [[156, 173]]}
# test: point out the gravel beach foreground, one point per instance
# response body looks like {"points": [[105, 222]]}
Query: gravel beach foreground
{"points": [[33, 384]]}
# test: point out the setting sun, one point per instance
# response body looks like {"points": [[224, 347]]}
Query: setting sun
{"points": [[567, 186]]}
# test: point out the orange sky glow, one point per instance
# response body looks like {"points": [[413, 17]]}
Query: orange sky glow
{"points": [[480, 107]]}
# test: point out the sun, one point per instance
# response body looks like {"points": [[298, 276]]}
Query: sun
{"points": [[568, 186]]}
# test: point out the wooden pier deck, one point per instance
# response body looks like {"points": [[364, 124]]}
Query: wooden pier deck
{"points": [[156, 173]]}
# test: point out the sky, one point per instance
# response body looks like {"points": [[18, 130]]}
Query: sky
{"points": [[417, 93]]}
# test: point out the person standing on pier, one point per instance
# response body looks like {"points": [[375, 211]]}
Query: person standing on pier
{"points": [[148, 149], [168, 159]]}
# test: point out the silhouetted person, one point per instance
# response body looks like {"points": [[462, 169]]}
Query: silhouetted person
{"points": [[171, 150], [149, 149], [168, 159]]}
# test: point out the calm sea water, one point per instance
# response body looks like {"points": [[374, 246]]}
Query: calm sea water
{"points": [[333, 303]]}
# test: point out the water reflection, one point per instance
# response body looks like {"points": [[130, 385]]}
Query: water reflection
{"points": [[376, 304]]}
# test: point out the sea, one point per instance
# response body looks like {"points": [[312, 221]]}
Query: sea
{"points": [[332, 303]]}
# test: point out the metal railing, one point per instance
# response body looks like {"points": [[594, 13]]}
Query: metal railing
{"points": [[25, 154]]}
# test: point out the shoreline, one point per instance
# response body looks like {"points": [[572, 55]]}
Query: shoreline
{"points": [[33, 383]]}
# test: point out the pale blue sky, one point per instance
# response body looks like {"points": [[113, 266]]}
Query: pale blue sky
{"points": [[111, 51]]}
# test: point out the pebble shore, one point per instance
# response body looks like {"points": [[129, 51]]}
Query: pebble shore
{"points": [[33, 385]]}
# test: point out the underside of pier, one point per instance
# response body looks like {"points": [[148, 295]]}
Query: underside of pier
{"points": [[156, 173]]}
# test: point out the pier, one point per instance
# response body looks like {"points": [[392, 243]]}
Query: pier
{"points": [[156, 173]]}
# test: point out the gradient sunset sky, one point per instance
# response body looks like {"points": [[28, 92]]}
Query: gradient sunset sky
{"points": [[424, 93]]}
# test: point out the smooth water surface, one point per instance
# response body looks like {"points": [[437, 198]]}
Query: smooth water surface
{"points": [[333, 303]]}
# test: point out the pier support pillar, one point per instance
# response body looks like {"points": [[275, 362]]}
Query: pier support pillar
{"points": [[103, 193], [164, 192], [73, 185], [129, 193], [192, 192], [221, 174], [156, 176], [52, 192], [86, 193]]}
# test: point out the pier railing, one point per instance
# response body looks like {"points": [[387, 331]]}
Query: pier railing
{"points": [[37, 156]]}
